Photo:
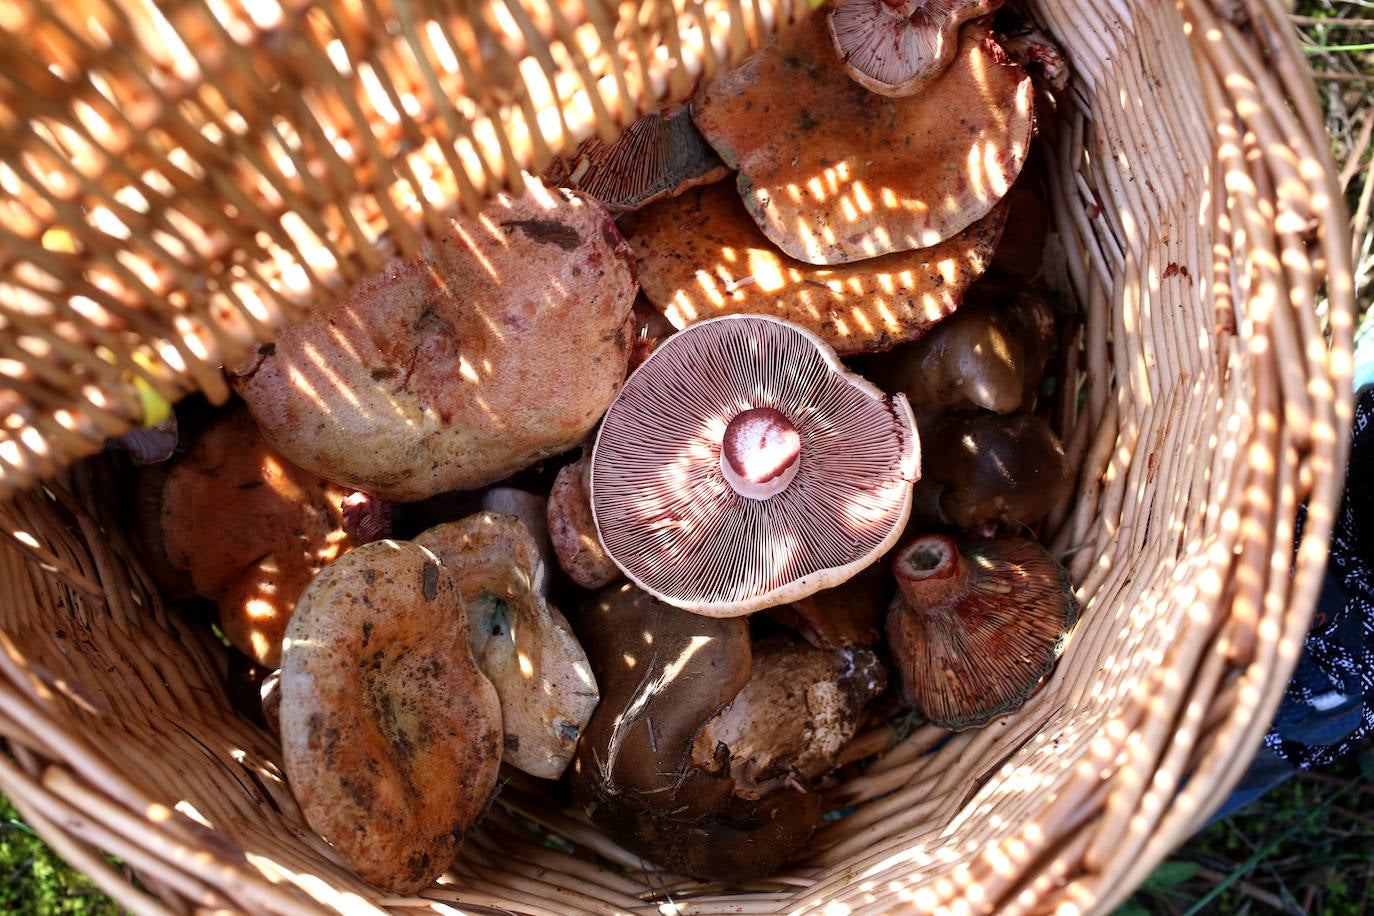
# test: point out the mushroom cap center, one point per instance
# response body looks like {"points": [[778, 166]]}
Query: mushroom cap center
{"points": [[759, 452]]}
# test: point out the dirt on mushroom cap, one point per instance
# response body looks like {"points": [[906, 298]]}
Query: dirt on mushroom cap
{"points": [[930, 165], [391, 737]]}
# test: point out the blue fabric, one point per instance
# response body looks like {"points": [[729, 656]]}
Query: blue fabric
{"points": [[1328, 708]]}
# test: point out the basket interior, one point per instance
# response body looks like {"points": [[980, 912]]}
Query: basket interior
{"points": [[1196, 226]]}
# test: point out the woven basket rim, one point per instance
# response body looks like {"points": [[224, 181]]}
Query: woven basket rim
{"points": [[196, 819]]}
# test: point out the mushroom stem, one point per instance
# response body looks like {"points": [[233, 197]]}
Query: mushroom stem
{"points": [[760, 452], [929, 570]]}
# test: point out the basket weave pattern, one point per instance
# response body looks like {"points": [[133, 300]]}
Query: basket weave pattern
{"points": [[177, 182], [1197, 225]]}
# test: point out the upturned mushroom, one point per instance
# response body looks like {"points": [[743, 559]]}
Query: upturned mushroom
{"points": [[988, 354], [897, 47], [522, 643], [929, 165], [499, 345], [701, 255], [391, 736], [976, 624], [743, 466], [658, 155]]}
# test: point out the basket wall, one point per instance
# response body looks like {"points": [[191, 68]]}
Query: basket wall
{"points": [[1198, 224]]}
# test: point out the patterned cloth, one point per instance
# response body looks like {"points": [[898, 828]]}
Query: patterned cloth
{"points": [[1328, 709]]}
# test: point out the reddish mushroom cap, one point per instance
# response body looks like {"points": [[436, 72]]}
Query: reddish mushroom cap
{"points": [[668, 514]]}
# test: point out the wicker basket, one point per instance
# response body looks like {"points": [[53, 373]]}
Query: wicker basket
{"points": [[178, 182]]}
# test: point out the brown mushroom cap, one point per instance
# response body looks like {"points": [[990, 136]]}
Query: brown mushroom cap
{"points": [[666, 513], [976, 624], [897, 47], [701, 255], [657, 155], [989, 354], [850, 614], [251, 529], [664, 672], [522, 643], [983, 467], [929, 165], [499, 345], [572, 530], [391, 736]]}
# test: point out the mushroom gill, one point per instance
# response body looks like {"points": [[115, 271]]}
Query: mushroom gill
{"points": [[670, 518]]}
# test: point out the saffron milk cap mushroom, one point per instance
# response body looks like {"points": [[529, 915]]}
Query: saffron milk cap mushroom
{"points": [[976, 624], [701, 254], [834, 173], [391, 736], [522, 643], [742, 466]]}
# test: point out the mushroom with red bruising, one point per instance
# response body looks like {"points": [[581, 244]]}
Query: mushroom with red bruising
{"points": [[976, 624], [391, 736], [898, 47], [671, 490], [572, 530]]}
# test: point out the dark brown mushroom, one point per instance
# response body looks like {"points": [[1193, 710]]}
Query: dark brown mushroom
{"points": [[989, 354], [983, 468], [898, 47], [701, 756], [681, 491], [850, 614], [663, 672], [976, 624]]}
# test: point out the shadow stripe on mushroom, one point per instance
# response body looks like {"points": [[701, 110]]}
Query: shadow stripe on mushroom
{"points": [[672, 521]]}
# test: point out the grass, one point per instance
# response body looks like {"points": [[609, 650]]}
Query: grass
{"points": [[1306, 847], [34, 881]]}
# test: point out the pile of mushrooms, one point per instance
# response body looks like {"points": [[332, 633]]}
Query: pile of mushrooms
{"points": [[665, 477]]}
